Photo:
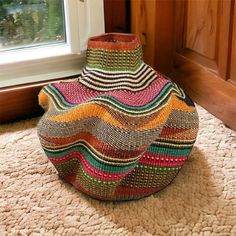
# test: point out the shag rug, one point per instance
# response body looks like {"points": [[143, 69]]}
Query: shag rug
{"points": [[200, 201]]}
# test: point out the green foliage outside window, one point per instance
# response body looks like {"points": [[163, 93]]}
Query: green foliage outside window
{"points": [[24, 22]]}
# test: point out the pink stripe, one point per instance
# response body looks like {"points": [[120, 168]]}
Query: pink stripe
{"points": [[162, 160], [76, 93], [89, 168]]}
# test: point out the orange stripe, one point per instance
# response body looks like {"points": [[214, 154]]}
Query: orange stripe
{"points": [[181, 105], [43, 99], [179, 133], [84, 111]]}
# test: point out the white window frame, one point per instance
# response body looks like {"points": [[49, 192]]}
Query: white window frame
{"points": [[84, 18]]}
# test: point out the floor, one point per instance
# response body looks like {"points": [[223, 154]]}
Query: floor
{"points": [[200, 201]]}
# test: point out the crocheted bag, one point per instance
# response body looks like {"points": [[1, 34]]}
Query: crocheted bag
{"points": [[121, 130]]}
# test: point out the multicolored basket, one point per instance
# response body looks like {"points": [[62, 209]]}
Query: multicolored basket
{"points": [[121, 130]]}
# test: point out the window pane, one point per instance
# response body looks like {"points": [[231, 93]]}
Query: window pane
{"points": [[26, 23]]}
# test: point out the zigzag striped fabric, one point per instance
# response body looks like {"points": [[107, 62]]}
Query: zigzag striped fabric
{"points": [[121, 130]]}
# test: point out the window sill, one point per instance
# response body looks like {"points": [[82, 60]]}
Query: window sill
{"points": [[33, 53], [41, 69]]}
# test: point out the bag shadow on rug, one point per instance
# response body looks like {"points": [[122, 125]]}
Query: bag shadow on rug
{"points": [[192, 197]]}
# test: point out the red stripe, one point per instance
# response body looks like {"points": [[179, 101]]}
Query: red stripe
{"points": [[168, 130], [95, 143], [96, 173], [162, 160], [139, 192]]}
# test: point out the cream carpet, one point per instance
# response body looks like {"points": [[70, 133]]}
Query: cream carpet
{"points": [[200, 201]]}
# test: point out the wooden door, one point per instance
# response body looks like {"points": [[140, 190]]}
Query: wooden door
{"points": [[204, 33], [117, 16], [195, 44]]}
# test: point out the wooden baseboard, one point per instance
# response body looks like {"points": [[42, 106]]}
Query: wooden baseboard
{"points": [[211, 92], [20, 102]]}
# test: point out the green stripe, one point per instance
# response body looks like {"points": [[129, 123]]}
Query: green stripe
{"points": [[108, 98], [166, 90], [88, 147], [59, 95], [170, 151], [114, 68], [95, 163], [51, 96], [163, 92]]}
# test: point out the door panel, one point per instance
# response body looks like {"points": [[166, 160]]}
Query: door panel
{"points": [[202, 27], [205, 33]]}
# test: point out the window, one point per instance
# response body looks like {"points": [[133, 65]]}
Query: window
{"points": [[31, 23], [45, 39]]}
